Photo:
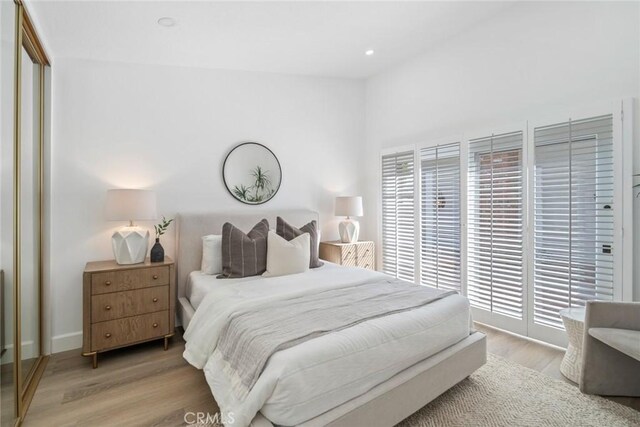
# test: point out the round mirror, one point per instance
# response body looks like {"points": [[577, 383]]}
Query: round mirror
{"points": [[251, 173]]}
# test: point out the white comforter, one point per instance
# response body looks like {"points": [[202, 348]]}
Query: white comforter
{"points": [[304, 381]]}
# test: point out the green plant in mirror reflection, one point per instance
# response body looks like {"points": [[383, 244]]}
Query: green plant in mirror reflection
{"points": [[261, 189]]}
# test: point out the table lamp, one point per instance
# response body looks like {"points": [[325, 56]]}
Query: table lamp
{"points": [[130, 243], [349, 228]]}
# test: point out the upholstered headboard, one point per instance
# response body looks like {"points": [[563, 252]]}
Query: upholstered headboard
{"points": [[190, 227]]}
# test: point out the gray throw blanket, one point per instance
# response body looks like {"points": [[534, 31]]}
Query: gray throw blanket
{"points": [[252, 335]]}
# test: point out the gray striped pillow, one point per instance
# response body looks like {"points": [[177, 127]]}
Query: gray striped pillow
{"points": [[289, 232], [243, 254]]}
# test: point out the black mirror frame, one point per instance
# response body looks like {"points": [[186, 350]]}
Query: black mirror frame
{"points": [[224, 165]]}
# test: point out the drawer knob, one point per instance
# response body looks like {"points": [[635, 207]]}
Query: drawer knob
{"points": [[107, 283], [155, 300], [155, 325], [107, 307], [155, 277], [107, 335]]}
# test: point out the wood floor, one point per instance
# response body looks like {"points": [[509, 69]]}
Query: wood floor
{"points": [[146, 386], [136, 386]]}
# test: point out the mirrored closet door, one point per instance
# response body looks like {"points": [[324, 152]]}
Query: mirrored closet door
{"points": [[23, 70], [30, 217]]}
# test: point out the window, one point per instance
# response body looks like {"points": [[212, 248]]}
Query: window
{"points": [[398, 217], [573, 216], [524, 222], [440, 216], [495, 230]]}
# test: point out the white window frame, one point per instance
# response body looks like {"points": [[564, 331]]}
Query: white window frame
{"points": [[623, 134], [623, 206], [498, 320], [416, 189], [433, 143]]}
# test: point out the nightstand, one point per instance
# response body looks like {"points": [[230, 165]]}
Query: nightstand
{"points": [[358, 254], [127, 304]]}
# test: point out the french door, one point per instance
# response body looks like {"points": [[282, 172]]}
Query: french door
{"points": [[576, 248], [440, 217], [524, 221], [398, 214], [495, 229]]}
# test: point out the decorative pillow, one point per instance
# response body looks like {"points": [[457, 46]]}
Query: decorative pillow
{"points": [[288, 232], [211, 254], [243, 254], [287, 257]]}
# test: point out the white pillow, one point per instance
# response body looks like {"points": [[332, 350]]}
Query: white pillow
{"points": [[211, 254], [287, 257]]}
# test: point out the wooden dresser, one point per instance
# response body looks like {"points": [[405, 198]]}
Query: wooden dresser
{"points": [[127, 304], [359, 254]]}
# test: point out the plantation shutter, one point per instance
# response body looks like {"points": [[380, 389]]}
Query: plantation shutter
{"points": [[398, 217], [495, 224], [573, 216], [440, 216]]}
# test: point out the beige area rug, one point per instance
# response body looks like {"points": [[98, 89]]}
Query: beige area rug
{"points": [[503, 393]]}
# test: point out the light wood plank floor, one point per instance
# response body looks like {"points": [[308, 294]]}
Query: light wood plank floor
{"points": [[146, 386]]}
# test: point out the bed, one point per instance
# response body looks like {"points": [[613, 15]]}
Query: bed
{"points": [[374, 373]]}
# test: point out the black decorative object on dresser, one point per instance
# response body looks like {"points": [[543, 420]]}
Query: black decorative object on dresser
{"points": [[157, 251]]}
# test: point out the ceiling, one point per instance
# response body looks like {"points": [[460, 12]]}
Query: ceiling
{"points": [[310, 38]]}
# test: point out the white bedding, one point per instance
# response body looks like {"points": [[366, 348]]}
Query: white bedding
{"points": [[304, 381], [200, 284]]}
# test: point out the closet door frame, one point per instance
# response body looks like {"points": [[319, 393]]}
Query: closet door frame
{"points": [[623, 199], [27, 38]]}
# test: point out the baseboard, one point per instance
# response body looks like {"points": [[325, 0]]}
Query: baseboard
{"points": [[66, 342], [547, 344], [28, 352]]}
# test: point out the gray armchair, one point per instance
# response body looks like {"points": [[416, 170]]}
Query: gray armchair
{"points": [[611, 349]]}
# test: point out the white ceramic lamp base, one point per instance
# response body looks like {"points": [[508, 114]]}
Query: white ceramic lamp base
{"points": [[349, 230], [130, 245]]}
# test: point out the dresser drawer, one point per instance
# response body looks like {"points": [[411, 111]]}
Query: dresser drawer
{"points": [[348, 252], [364, 250], [115, 333], [366, 262], [129, 303], [125, 280]]}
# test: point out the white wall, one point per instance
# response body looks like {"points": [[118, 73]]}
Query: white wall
{"points": [[169, 129], [532, 59]]}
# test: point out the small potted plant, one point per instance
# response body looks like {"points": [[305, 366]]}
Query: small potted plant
{"points": [[157, 251]]}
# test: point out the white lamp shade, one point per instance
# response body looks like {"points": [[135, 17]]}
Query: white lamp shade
{"points": [[349, 206], [129, 205]]}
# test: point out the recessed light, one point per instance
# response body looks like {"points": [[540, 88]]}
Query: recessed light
{"points": [[167, 21], [369, 52]]}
